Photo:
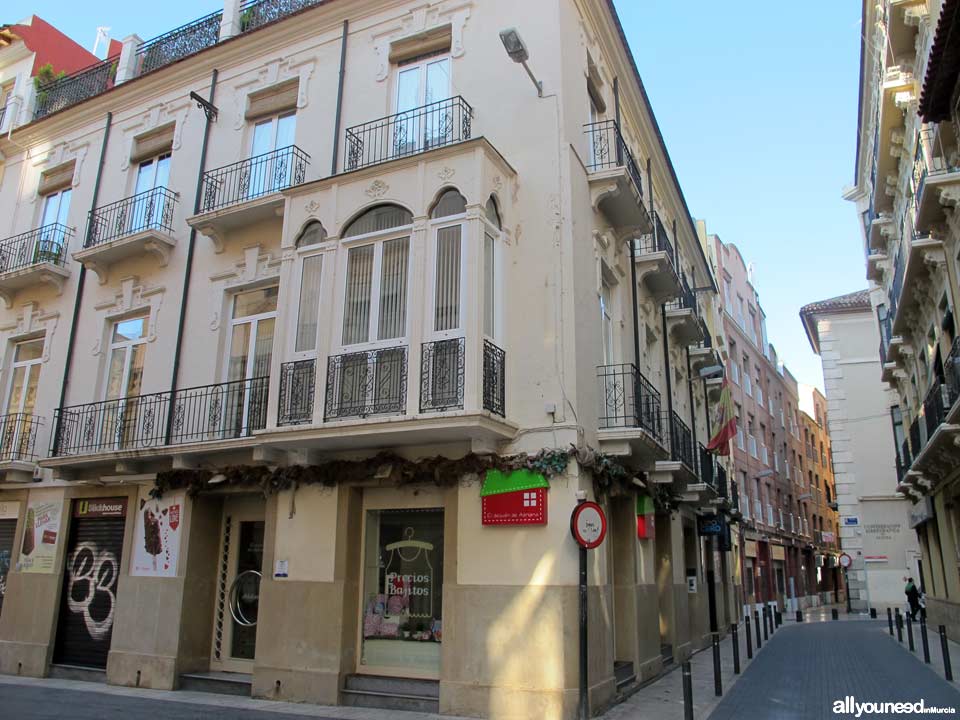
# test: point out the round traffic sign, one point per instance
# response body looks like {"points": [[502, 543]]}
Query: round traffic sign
{"points": [[845, 560], [588, 525]]}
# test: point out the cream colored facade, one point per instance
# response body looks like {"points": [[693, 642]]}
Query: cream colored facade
{"points": [[428, 259], [905, 187]]}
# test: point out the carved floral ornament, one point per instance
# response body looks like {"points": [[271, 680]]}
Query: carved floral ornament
{"points": [[132, 298], [377, 189]]}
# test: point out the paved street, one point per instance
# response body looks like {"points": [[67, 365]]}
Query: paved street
{"points": [[797, 674]]}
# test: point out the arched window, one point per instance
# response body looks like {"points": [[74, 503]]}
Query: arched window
{"points": [[312, 234], [449, 203], [493, 213], [378, 219]]}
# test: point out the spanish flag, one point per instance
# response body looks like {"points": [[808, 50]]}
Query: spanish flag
{"points": [[726, 422]]}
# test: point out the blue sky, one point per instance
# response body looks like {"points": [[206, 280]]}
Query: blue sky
{"points": [[757, 103]]}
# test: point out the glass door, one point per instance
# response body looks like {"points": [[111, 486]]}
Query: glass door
{"points": [[270, 171], [241, 565], [248, 365], [18, 431], [402, 593], [56, 208], [124, 381], [422, 123], [148, 207]]}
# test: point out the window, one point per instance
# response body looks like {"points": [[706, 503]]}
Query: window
{"points": [[419, 84], [313, 234], [271, 172], [382, 266], [448, 265], [252, 327], [127, 349], [56, 208], [747, 384], [309, 310], [734, 372], [606, 321], [490, 237], [27, 360], [148, 208]]}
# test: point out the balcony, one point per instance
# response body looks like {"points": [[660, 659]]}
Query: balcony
{"points": [[408, 133], [898, 89], [656, 260], [297, 392], [877, 262], [179, 43], [35, 257], [238, 195], [702, 353], [69, 90], [142, 425], [133, 227], [707, 473], [683, 319], [630, 418], [364, 384], [18, 445], [933, 453], [935, 169], [616, 185], [910, 271], [878, 232]]}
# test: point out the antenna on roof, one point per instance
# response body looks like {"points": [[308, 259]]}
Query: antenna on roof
{"points": [[103, 34]]}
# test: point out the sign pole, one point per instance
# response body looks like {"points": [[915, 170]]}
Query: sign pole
{"points": [[584, 649]]}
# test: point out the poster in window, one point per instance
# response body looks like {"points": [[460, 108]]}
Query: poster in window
{"points": [[156, 538], [41, 530]]}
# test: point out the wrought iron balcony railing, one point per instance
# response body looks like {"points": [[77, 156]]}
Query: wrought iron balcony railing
{"points": [[18, 437], [494, 379], [657, 241], [734, 495], [253, 178], [149, 210], [722, 486], [686, 300], [257, 13], [66, 91], [442, 375], [916, 438], [681, 442], [707, 466], [608, 150], [371, 382], [211, 412], [45, 244], [297, 391], [896, 286], [936, 404], [179, 43], [441, 123], [3, 113], [629, 400]]}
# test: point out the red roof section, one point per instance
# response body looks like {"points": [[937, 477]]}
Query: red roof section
{"points": [[49, 45]]}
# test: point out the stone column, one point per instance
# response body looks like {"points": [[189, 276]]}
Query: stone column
{"points": [[127, 65], [230, 24]]}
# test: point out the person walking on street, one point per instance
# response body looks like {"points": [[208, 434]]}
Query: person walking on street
{"points": [[913, 598]]}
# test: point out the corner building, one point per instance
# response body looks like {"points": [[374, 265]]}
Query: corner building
{"points": [[288, 292]]}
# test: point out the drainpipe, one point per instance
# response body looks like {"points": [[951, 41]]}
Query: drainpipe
{"points": [[339, 112], [189, 265], [693, 408], [81, 278], [666, 370]]}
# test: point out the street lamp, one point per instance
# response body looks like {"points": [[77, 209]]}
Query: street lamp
{"points": [[517, 50]]}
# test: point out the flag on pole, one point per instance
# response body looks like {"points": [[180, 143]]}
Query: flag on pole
{"points": [[726, 422]]}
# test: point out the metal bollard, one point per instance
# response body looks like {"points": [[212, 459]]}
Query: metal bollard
{"points": [[834, 615], [923, 640], [799, 616], [746, 623], [910, 634], [890, 620], [766, 628], [756, 625], [717, 680], [687, 692], [779, 617], [899, 618], [945, 649], [873, 613], [736, 649]]}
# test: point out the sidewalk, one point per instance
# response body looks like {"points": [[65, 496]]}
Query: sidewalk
{"points": [[936, 651]]}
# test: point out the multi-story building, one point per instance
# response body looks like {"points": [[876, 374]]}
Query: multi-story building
{"points": [[782, 545], [905, 190], [315, 336], [874, 518]]}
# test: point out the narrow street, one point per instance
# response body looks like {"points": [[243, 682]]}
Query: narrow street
{"points": [[799, 673]]}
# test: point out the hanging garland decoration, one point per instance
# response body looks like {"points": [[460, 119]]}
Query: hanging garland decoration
{"points": [[610, 476]]}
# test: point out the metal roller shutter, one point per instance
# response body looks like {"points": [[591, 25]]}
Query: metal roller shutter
{"points": [[89, 595], [8, 529]]}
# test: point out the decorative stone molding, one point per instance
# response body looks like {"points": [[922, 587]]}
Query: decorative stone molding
{"points": [[30, 321], [311, 207], [132, 297], [254, 269], [446, 173], [378, 188], [418, 20]]}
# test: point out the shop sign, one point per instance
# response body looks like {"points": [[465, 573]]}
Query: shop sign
{"points": [[710, 525], [646, 518], [588, 525], [156, 542], [851, 520], [40, 534], [100, 507], [921, 512], [515, 498], [875, 558], [777, 552], [828, 536], [750, 548]]}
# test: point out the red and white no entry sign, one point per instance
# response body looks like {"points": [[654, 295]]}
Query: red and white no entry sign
{"points": [[845, 560], [588, 525]]}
